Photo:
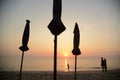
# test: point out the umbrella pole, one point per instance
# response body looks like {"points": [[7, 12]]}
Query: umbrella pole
{"points": [[55, 57], [75, 65], [21, 66]]}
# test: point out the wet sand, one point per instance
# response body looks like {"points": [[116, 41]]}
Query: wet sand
{"points": [[48, 75]]}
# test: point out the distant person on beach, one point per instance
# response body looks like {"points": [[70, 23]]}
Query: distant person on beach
{"points": [[102, 63], [68, 67], [105, 64]]}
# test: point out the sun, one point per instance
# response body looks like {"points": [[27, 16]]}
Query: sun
{"points": [[66, 54]]}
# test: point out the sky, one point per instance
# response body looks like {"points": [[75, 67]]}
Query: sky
{"points": [[98, 20]]}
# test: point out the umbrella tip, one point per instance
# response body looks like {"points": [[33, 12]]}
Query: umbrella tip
{"points": [[76, 23], [28, 21], [76, 29]]}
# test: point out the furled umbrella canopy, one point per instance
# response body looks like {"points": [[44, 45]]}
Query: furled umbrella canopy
{"points": [[76, 50], [25, 38], [56, 26]]}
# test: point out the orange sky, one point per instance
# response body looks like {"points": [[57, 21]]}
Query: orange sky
{"points": [[100, 35]]}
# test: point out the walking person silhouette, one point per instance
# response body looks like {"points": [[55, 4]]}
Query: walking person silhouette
{"points": [[68, 66]]}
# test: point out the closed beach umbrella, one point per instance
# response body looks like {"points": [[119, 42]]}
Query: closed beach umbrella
{"points": [[76, 51], [24, 47], [56, 27], [25, 37]]}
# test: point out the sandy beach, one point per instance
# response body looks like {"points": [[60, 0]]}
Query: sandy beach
{"points": [[48, 75]]}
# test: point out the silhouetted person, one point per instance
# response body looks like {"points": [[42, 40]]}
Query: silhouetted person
{"points": [[102, 63], [68, 66], [105, 64]]}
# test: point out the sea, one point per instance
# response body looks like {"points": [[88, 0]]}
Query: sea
{"points": [[47, 63]]}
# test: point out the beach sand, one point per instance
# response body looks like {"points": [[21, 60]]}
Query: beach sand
{"points": [[48, 75]]}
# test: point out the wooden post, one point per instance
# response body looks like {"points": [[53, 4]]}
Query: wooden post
{"points": [[21, 66], [75, 65], [55, 57]]}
